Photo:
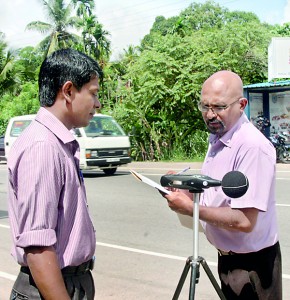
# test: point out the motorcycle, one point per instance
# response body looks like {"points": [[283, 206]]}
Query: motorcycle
{"points": [[277, 139]]}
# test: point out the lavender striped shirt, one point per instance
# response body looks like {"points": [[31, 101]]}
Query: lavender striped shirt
{"points": [[246, 149], [47, 198]]}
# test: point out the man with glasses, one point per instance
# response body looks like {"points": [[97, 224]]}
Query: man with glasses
{"points": [[243, 230]]}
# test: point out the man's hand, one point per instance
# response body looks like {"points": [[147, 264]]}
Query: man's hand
{"points": [[180, 202]]}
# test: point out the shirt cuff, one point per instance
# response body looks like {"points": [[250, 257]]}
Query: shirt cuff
{"points": [[44, 238]]}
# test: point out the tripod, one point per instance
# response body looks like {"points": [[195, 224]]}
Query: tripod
{"points": [[194, 261]]}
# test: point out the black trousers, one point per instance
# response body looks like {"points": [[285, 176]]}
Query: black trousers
{"points": [[79, 287], [252, 276]]}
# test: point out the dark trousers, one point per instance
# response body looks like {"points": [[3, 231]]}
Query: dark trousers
{"points": [[79, 287], [252, 276]]}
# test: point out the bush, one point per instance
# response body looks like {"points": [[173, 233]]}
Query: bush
{"points": [[25, 103]]}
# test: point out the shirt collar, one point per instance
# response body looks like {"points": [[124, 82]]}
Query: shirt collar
{"points": [[227, 137], [50, 121]]}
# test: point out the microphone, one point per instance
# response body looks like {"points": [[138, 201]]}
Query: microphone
{"points": [[234, 184]]}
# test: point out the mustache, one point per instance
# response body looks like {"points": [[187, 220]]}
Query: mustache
{"points": [[213, 121], [213, 129]]}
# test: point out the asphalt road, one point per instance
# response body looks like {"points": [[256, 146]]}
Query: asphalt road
{"points": [[141, 246]]}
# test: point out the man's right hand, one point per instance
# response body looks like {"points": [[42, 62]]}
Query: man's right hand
{"points": [[180, 202]]}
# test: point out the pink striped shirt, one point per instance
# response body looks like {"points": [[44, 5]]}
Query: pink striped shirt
{"points": [[245, 149], [47, 198]]}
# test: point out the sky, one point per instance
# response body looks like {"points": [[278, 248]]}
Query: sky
{"points": [[128, 21]]}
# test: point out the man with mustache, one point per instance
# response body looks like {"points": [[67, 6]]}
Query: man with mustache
{"points": [[243, 230]]}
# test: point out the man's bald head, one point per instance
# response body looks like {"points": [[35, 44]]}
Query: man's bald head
{"points": [[224, 82], [222, 101]]}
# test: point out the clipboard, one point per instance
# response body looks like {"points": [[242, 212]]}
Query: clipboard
{"points": [[185, 221], [149, 182]]}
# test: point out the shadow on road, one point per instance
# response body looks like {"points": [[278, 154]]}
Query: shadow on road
{"points": [[93, 174], [3, 214]]}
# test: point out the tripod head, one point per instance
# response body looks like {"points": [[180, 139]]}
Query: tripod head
{"points": [[234, 184]]}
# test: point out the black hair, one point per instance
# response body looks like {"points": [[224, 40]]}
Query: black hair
{"points": [[61, 66]]}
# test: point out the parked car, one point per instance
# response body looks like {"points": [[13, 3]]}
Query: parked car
{"points": [[103, 143], [2, 149]]}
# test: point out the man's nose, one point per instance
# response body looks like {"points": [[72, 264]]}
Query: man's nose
{"points": [[98, 104], [210, 113]]}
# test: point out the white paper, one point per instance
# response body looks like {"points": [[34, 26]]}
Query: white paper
{"points": [[187, 221], [184, 220], [149, 182]]}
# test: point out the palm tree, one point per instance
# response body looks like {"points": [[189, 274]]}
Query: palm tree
{"points": [[9, 79], [84, 7], [130, 54], [95, 38], [101, 43], [59, 16], [3, 44]]}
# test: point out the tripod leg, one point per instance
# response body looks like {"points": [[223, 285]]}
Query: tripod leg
{"points": [[194, 278], [182, 278], [211, 278]]}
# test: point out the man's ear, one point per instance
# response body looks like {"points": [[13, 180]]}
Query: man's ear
{"points": [[67, 91], [243, 103]]}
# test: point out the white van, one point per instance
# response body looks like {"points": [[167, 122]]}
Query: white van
{"points": [[103, 143]]}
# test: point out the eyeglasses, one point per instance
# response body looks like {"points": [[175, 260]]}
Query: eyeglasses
{"points": [[215, 109]]}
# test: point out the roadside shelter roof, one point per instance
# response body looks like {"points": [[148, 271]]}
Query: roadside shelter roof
{"points": [[272, 85]]}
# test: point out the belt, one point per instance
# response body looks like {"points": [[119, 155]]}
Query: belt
{"points": [[222, 253], [69, 270], [275, 247], [81, 269]]}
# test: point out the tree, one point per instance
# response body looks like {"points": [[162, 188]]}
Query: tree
{"points": [[9, 78], [28, 63], [84, 7], [153, 90], [161, 103], [94, 37], [204, 16], [282, 30], [25, 103], [18, 84], [161, 26], [101, 43], [59, 16], [130, 55], [197, 16]]}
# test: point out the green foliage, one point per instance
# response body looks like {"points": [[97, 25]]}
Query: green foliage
{"points": [[60, 19], [152, 90], [204, 16], [162, 27], [8, 77], [158, 110], [282, 30], [19, 69], [25, 103], [197, 142], [95, 40], [159, 105], [27, 64]]}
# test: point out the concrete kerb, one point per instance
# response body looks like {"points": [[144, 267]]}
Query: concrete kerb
{"points": [[177, 166]]}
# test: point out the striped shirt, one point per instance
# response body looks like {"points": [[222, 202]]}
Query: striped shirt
{"points": [[246, 149], [47, 198]]}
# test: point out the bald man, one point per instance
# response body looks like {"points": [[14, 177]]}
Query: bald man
{"points": [[244, 230]]}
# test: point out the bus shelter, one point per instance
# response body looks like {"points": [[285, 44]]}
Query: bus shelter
{"points": [[272, 100]]}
